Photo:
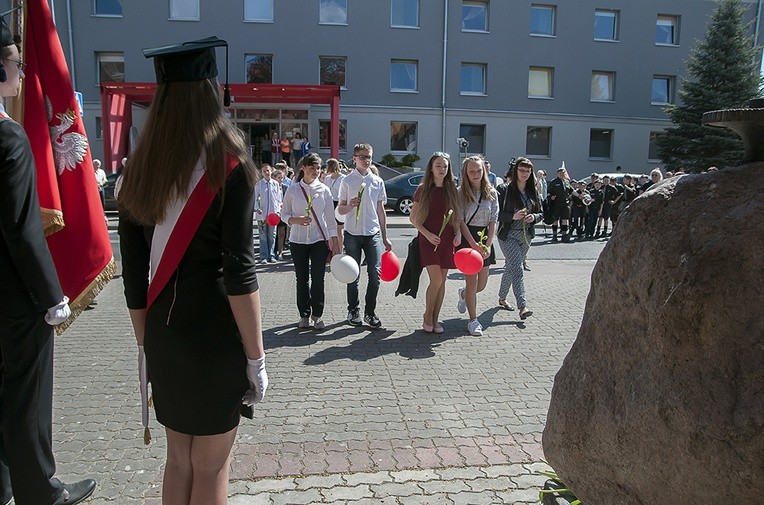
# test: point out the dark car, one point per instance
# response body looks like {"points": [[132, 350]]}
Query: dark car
{"points": [[111, 202], [400, 191]]}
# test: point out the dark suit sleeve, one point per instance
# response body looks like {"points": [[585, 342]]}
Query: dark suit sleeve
{"points": [[29, 261], [239, 275], [136, 254]]}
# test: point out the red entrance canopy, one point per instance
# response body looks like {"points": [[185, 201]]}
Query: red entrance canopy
{"points": [[117, 99]]}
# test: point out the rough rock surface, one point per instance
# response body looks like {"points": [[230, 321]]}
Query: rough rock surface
{"points": [[661, 398]]}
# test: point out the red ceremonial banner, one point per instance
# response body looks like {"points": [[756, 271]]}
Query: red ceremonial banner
{"points": [[69, 198]]}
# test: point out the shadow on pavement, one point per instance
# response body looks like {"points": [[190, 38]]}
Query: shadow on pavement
{"points": [[415, 345]]}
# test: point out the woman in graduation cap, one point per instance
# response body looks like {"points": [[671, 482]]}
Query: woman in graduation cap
{"points": [[186, 224]]}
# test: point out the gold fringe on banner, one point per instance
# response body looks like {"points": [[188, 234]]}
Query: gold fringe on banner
{"points": [[87, 296], [52, 221]]}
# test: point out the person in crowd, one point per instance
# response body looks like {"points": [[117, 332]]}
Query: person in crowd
{"points": [[267, 201], [308, 209], [362, 200], [594, 177], [31, 304], [559, 196], [479, 213], [275, 148], [285, 148], [579, 199], [594, 214], [435, 215], [265, 150], [297, 142], [333, 179], [101, 180], [609, 195], [655, 177], [286, 170], [494, 179], [118, 182], [199, 318], [282, 230], [627, 195], [615, 201], [519, 210], [541, 184]]}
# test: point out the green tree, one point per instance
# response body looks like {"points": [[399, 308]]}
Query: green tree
{"points": [[724, 74]]}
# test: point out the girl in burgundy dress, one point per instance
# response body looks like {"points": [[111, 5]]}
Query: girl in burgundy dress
{"points": [[435, 215]]}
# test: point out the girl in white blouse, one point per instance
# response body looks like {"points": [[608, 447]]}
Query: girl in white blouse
{"points": [[309, 211]]}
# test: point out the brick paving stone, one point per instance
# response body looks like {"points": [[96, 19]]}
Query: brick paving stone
{"points": [[466, 473], [519, 496], [469, 498], [505, 470], [297, 497], [347, 493], [492, 483], [270, 485], [322, 481], [414, 475], [396, 489], [259, 499], [444, 486], [430, 499], [367, 478]]}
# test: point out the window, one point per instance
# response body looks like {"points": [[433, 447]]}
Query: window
{"points": [[324, 126], [107, 7], [542, 20], [403, 137], [404, 13], [333, 12], [258, 10], [600, 143], [605, 25], [475, 135], [537, 141], [475, 16], [184, 10], [652, 150], [403, 75], [332, 70], [98, 127], [258, 68], [473, 79], [111, 67], [663, 90], [540, 82], [603, 86], [667, 30]]}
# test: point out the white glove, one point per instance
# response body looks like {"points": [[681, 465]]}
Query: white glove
{"points": [[59, 313], [258, 381]]}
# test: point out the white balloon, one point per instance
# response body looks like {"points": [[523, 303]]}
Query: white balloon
{"points": [[340, 217], [344, 268]]}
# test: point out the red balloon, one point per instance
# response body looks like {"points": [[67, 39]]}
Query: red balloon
{"points": [[390, 266], [273, 219], [468, 261]]}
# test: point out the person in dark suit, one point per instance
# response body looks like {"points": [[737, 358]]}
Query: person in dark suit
{"points": [[31, 303]]}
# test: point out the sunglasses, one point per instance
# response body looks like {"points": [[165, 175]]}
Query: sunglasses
{"points": [[439, 154]]}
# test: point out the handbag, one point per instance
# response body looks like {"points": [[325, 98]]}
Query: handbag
{"points": [[318, 223]]}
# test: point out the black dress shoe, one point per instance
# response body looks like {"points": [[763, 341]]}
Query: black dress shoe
{"points": [[75, 493]]}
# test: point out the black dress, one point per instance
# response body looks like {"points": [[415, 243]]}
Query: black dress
{"points": [[195, 358]]}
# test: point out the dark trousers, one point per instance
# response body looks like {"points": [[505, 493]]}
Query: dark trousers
{"points": [[26, 411], [310, 268], [591, 219], [371, 245]]}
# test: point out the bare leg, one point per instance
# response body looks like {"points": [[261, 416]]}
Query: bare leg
{"points": [[210, 457], [340, 235], [178, 473], [470, 295], [439, 297], [431, 305]]}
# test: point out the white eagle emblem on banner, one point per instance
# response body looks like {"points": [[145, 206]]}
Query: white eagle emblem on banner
{"points": [[69, 149]]}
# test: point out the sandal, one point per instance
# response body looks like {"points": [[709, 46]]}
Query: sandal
{"points": [[525, 313], [437, 328], [504, 305]]}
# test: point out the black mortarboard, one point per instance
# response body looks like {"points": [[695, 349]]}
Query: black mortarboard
{"points": [[6, 37], [188, 62]]}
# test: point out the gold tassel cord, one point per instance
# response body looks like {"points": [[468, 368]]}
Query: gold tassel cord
{"points": [[87, 296], [52, 221]]}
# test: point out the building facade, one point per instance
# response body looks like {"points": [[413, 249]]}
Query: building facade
{"points": [[580, 81]]}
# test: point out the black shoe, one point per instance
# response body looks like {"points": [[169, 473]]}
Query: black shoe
{"points": [[372, 320], [566, 238], [75, 493], [354, 317], [554, 239]]}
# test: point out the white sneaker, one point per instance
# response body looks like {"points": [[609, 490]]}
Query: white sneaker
{"points": [[304, 323], [318, 323], [461, 305], [475, 328]]}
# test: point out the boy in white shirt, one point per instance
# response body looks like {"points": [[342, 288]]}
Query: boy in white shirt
{"points": [[268, 200], [362, 199]]}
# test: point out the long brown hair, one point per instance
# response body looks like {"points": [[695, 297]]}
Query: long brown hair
{"points": [[185, 120], [466, 192], [530, 186], [428, 183]]}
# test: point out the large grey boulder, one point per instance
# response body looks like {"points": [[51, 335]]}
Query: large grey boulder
{"points": [[661, 398]]}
